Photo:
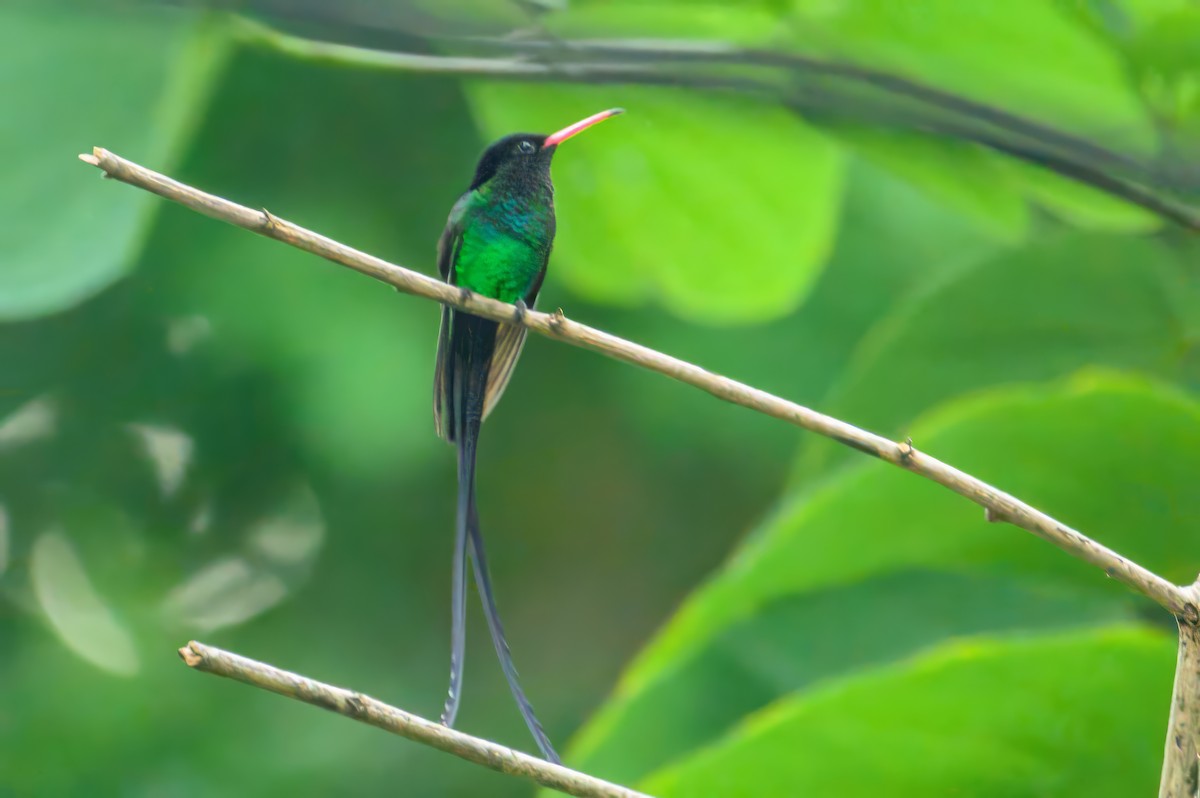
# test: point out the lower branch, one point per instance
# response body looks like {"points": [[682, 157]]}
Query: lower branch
{"points": [[382, 716], [1181, 763]]}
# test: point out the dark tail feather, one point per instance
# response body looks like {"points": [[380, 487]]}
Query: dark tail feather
{"points": [[469, 354], [464, 350], [458, 596], [483, 582]]}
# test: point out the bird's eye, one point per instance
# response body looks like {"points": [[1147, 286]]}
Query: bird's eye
{"points": [[526, 147]]}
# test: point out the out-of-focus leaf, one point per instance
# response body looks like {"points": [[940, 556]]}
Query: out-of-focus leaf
{"points": [[1037, 313], [902, 240], [722, 210], [169, 451], [1046, 716], [1187, 304], [223, 594], [741, 23], [1114, 456], [801, 640], [454, 17], [1166, 58], [32, 421], [4, 539], [80, 75], [1168, 46], [1159, 42], [1120, 20], [75, 611], [1082, 205], [278, 551], [962, 176], [1026, 56], [346, 348]]}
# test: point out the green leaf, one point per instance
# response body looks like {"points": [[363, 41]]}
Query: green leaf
{"points": [[1026, 56], [963, 177], [1081, 714], [344, 349], [1131, 450], [1166, 59], [132, 80], [75, 611], [902, 240], [743, 23], [1119, 21], [722, 210], [1080, 205], [798, 641], [804, 599], [1038, 313]]}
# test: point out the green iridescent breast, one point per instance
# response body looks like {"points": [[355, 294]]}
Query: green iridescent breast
{"points": [[506, 242]]}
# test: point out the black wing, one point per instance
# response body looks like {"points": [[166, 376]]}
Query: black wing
{"points": [[448, 246]]}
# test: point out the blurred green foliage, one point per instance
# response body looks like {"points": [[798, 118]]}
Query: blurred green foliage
{"points": [[207, 434]]}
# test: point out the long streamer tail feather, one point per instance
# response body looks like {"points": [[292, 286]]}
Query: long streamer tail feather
{"points": [[464, 345], [483, 582], [464, 365], [458, 597]]}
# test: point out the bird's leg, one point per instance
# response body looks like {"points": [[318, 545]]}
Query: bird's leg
{"points": [[519, 311]]}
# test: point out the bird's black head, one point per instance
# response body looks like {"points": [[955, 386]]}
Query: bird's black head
{"points": [[520, 153], [526, 156]]}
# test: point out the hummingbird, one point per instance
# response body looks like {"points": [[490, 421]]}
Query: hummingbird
{"points": [[497, 243]]}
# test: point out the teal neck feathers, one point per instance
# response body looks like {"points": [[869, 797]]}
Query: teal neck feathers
{"points": [[508, 229]]}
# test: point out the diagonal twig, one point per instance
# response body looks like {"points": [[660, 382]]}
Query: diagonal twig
{"points": [[365, 709], [1000, 505]]}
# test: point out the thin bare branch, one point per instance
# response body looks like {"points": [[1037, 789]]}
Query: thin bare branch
{"points": [[1000, 505], [365, 709], [1181, 763], [997, 503]]}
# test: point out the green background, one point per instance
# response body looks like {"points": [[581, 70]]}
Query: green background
{"points": [[205, 434]]}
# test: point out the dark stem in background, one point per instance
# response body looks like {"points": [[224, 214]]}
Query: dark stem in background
{"points": [[536, 43], [811, 87], [806, 66]]}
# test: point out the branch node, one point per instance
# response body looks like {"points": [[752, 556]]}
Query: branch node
{"points": [[906, 451], [998, 515], [191, 655], [356, 707], [557, 319], [269, 220]]}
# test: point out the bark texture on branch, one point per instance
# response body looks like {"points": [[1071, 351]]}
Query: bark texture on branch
{"points": [[375, 713], [1181, 762]]}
